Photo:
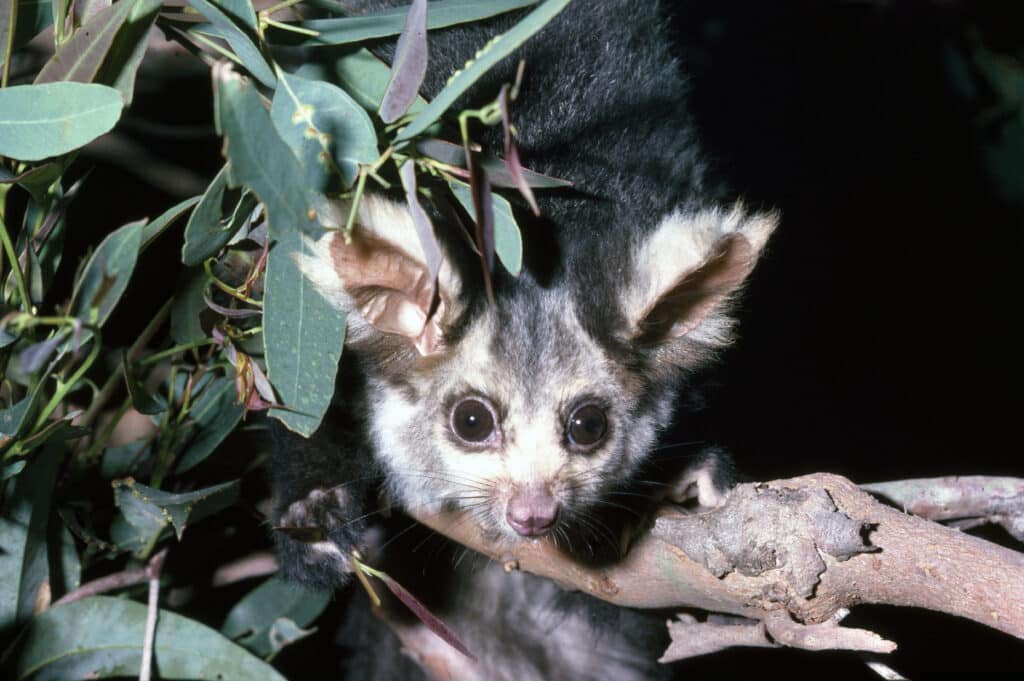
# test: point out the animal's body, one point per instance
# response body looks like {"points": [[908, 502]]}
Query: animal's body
{"points": [[539, 415]]}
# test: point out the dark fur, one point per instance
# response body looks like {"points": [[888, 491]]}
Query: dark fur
{"points": [[602, 105]]}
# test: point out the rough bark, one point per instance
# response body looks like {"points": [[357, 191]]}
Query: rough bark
{"points": [[793, 556]]}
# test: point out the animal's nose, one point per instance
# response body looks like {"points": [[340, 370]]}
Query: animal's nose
{"points": [[531, 510]]}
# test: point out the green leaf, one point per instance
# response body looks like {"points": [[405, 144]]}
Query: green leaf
{"points": [[508, 241], [155, 228], [303, 334], [258, 158], [106, 276], [15, 419], [491, 53], [362, 75], [142, 400], [107, 49], [240, 41], [326, 130], [389, 22], [252, 620], [32, 17], [186, 326], [218, 216], [150, 510], [101, 637], [214, 414], [24, 529], [39, 121]]}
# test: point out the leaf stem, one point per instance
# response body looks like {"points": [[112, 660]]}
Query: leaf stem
{"points": [[19, 276]]}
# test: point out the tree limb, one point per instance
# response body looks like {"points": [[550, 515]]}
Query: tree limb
{"points": [[793, 554]]}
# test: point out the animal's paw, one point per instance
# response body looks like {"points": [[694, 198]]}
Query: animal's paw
{"points": [[317, 535], [706, 483]]}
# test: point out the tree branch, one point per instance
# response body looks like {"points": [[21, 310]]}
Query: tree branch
{"points": [[794, 555]]}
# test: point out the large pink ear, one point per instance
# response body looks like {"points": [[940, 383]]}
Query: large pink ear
{"points": [[686, 272], [381, 279]]}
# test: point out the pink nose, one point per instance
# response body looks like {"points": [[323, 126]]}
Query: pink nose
{"points": [[531, 510]]}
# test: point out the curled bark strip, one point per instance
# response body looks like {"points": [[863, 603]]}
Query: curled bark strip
{"points": [[850, 549]]}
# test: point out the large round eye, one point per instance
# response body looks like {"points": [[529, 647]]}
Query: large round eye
{"points": [[473, 420], [587, 426]]}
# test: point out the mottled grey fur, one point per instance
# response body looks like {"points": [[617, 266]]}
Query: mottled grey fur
{"points": [[603, 106]]}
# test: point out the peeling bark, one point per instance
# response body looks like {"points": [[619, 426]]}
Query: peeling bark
{"points": [[791, 555]]}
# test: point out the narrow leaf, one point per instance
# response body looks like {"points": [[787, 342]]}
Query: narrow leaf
{"points": [[155, 228], [424, 229], [219, 214], [258, 158], [508, 242], [497, 171], [409, 66], [39, 121], [23, 537], [362, 75], [241, 43], [106, 275], [432, 621], [303, 335], [496, 50], [214, 414], [389, 22], [188, 305], [107, 49]]}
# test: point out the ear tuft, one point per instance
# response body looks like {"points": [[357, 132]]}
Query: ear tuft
{"points": [[688, 269], [380, 277]]}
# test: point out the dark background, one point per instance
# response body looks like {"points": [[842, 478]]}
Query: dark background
{"points": [[879, 335]]}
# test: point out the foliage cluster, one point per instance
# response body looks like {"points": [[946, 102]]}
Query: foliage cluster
{"points": [[88, 510]]}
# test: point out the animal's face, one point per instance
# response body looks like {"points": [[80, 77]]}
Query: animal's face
{"points": [[527, 422], [526, 417]]}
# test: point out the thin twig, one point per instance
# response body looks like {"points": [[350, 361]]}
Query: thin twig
{"points": [[156, 563]]}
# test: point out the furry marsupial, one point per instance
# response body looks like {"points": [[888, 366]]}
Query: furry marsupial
{"points": [[538, 415]]}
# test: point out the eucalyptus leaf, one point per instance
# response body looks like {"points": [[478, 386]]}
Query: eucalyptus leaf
{"points": [[142, 400], [15, 419], [489, 55], [409, 66], [303, 334], [215, 220], [259, 158], [39, 121], [241, 41], [106, 49], [24, 555], [361, 74], [214, 415], [155, 228], [326, 130], [508, 241], [106, 275], [253, 619], [148, 509], [102, 637], [188, 306], [32, 17], [390, 21]]}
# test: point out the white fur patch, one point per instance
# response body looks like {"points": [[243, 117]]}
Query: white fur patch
{"points": [[682, 243]]}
